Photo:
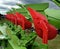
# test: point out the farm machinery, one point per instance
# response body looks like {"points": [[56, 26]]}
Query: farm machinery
{"points": [[20, 27]]}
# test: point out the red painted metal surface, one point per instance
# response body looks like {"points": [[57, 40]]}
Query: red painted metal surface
{"points": [[42, 27], [19, 19]]}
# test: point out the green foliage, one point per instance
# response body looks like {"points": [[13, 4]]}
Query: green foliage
{"points": [[54, 17], [23, 9], [57, 2]]}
